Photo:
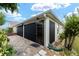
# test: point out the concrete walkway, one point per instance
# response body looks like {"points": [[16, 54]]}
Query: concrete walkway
{"points": [[23, 46]]}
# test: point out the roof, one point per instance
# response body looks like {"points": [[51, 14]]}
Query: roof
{"points": [[12, 23], [53, 16], [48, 13]]}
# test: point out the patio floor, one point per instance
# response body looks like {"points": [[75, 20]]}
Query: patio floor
{"points": [[23, 46], [26, 47]]}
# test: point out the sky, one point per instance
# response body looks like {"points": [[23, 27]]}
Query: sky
{"points": [[28, 10]]}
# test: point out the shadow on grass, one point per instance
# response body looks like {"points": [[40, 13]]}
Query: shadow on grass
{"points": [[70, 53]]}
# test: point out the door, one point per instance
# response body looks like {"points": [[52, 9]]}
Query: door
{"points": [[52, 32]]}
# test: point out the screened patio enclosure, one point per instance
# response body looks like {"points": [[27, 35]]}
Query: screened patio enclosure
{"points": [[33, 31], [43, 28], [20, 30]]}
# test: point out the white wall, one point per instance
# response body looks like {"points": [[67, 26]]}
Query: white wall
{"points": [[14, 29], [58, 29], [61, 29], [56, 33]]}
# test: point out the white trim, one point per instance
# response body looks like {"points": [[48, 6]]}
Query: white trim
{"points": [[56, 34], [56, 24], [46, 32], [14, 29], [23, 31]]}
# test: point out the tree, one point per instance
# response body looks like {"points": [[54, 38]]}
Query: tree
{"points": [[2, 19], [71, 30], [61, 36], [5, 48], [9, 6]]}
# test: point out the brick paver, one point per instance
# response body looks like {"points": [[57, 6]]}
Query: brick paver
{"points": [[23, 46]]}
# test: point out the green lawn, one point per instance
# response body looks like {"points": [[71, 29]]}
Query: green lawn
{"points": [[76, 45], [75, 48]]}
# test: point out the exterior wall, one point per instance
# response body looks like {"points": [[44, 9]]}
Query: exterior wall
{"points": [[58, 29], [61, 29], [14, 29]]}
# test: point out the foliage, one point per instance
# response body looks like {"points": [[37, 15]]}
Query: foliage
{"points": [[5, 48], [71, 30], [8, 30], [70, 53], [72, 25], [76, 45], [2, 19], [61, 36], [9, 6]]}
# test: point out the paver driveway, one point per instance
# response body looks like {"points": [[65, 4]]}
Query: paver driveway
{"points": [[23, 46]]}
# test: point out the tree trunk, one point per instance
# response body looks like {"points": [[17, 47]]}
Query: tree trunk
{"points": [[73, 38], [69, 43], [65, 44]]}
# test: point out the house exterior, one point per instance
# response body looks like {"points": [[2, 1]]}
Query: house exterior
{"points": [[43, 28], [12, 23]]}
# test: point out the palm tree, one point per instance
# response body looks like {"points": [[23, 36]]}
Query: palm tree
{"points": [[9, 6]]}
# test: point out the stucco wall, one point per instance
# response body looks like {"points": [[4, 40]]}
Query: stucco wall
{"points": [[14, 29], [58, 29]]}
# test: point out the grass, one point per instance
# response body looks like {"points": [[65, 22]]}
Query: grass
{"points": [[75, 48], [76, 45]]}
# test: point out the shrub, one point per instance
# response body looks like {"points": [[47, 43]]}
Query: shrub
{"points": [[5, 48], [61, 36], [10, 30]]}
